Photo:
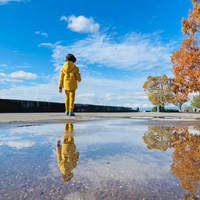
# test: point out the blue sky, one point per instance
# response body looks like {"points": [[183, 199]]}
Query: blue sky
{"points": [[117, 45]]}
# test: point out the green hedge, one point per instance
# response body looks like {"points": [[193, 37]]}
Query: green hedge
{"points": [[171, 110], [154, 109]]}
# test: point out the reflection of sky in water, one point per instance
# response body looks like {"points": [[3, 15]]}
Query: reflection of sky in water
{"points": [[29, 166]]}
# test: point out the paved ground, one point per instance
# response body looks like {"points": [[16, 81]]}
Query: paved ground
{"points": [[61, 117]]}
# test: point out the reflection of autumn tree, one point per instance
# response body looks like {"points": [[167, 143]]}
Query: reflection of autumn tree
{"points": [[186, 155], [158, 137], [197, 127], [190, 197], [186, 159]]}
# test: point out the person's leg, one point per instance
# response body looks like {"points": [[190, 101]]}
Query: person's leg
{"points": [[67, 102], [71, 102]]}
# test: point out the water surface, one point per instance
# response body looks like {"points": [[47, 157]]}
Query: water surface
{"points": [[106, 159]]}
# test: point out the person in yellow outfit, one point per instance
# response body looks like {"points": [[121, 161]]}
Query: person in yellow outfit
{"points": [[66, 156], [69, 75]]}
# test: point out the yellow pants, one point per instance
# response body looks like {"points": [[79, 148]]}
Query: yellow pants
{"points": [[69, 100]]}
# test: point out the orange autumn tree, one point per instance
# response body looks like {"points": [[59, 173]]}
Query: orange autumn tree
{"points": [[192, 25], [158, 89], [186, 62], [180, 94], [179, 99]]}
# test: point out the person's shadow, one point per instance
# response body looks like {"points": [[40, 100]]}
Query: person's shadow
{"points": [[67, 156]]}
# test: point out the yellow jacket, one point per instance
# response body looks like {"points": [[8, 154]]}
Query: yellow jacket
{"points": [[69, 75]]}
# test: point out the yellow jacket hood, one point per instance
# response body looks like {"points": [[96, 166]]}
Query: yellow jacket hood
{"points": [[68, 67], [69, 75]]}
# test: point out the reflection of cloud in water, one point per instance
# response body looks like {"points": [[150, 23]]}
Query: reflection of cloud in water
{"points": [[9, 138], [193, 131], [53, 166], [44, 130], [78, 195], [96, 129], [130, 167], [129, 173], [18, 144], [15, 141], [139, 166], [124, 166]]}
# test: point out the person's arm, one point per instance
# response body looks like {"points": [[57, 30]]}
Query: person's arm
{"points": [[78, 76], [59, 149], [60, 84]]}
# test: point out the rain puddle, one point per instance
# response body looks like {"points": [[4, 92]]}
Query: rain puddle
{"points": [[107, 159], [159, 117]]}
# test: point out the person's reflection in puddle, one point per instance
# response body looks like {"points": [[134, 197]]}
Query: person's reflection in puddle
{"points": [[67, 156], [186, 155]]}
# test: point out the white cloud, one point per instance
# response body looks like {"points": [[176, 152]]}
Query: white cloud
{"points": [[81, 24], [92, 90], [138, 55], [17, 75], [42, 33], [2, 75], [24, 66], [50, 45], [2, 2], [131, 52], [64, 18], [23, 75], [6, 80], [3, 65]]}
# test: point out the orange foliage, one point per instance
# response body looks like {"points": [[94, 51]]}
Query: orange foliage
{"points": [[158, 89], [180, 94], [186, 62], [186, 65], [191, 25], [179, 99]]}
